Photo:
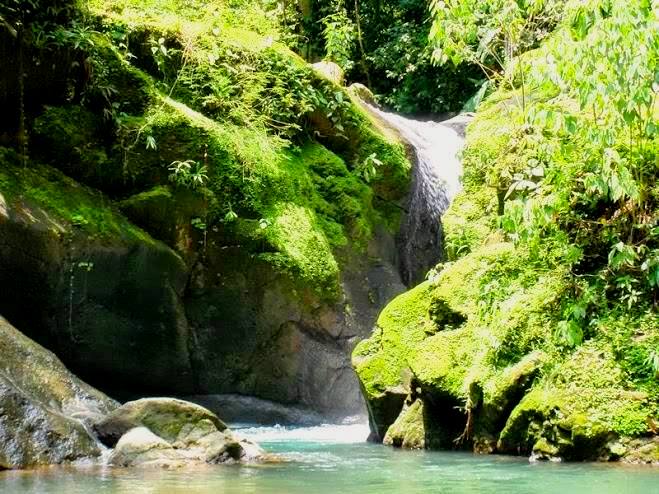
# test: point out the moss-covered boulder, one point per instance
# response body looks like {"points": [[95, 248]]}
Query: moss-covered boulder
{"points": [[44, 409], [166, 432], [409, 429], [381, 361], [509, 348], [171, 419]]}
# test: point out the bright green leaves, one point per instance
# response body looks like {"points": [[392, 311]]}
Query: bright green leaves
{"points": [[340, 37], [571, 155], [490, 33], [622, 255], [569, 333], [188, 174]]}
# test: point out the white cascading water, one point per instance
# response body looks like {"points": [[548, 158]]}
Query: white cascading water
{"points": [[327, 433], [435, 182]]}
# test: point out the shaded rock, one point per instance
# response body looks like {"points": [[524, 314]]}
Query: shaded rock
{"points": [[171, 419], [248, 409], [496, 406], [259, 333], [44, 409], [383, 410], [408, 431], [94, 288]]}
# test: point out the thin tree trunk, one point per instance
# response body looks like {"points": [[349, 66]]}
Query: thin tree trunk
{"points": [[360, 40], [22, 130]]}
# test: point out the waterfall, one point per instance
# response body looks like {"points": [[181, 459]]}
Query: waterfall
{"points": [[435, 182]]}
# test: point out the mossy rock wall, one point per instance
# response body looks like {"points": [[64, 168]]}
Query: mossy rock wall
{"points": [[484, 340], [96, 288]]}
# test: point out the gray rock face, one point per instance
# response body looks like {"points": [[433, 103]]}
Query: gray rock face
{"points": [[257, 333], [111, 307], [45, 410], [247, 409]]}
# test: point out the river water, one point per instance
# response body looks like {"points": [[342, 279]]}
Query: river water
{"points": [[336, 459]]}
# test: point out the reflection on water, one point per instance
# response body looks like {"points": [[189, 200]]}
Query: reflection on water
{"points": [[334, 459]]}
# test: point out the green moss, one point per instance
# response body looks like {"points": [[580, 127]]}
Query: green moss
{"points": [[381, 360], [409, 430], [71, 205], [302, 247]]}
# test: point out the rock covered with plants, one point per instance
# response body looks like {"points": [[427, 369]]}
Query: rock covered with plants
{"points": [[540, 334], [190, 207]]}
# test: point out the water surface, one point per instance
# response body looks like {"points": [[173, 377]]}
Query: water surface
{"points": [[331, 459]]}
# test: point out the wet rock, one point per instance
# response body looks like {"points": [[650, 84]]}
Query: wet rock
{"points": [[44, 409], [171, 419]]}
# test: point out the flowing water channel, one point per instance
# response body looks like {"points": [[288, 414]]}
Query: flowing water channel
{"points": [[336, 459], [435, 182]]}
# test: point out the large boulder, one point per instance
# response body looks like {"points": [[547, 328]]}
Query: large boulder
{"points": [[171, 419], [141, 447], [168, 432], [44, 409]]}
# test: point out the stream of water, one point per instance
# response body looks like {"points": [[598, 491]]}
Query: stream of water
{"points": [[435, 182], [336, 459]]}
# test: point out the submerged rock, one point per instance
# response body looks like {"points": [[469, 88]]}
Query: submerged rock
{"points": [[44, 409]]}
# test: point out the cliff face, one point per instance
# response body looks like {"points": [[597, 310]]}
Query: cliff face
{"points": [[186, 209]]}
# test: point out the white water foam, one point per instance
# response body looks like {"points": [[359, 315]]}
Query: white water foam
{"points": [[327, 433]]}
